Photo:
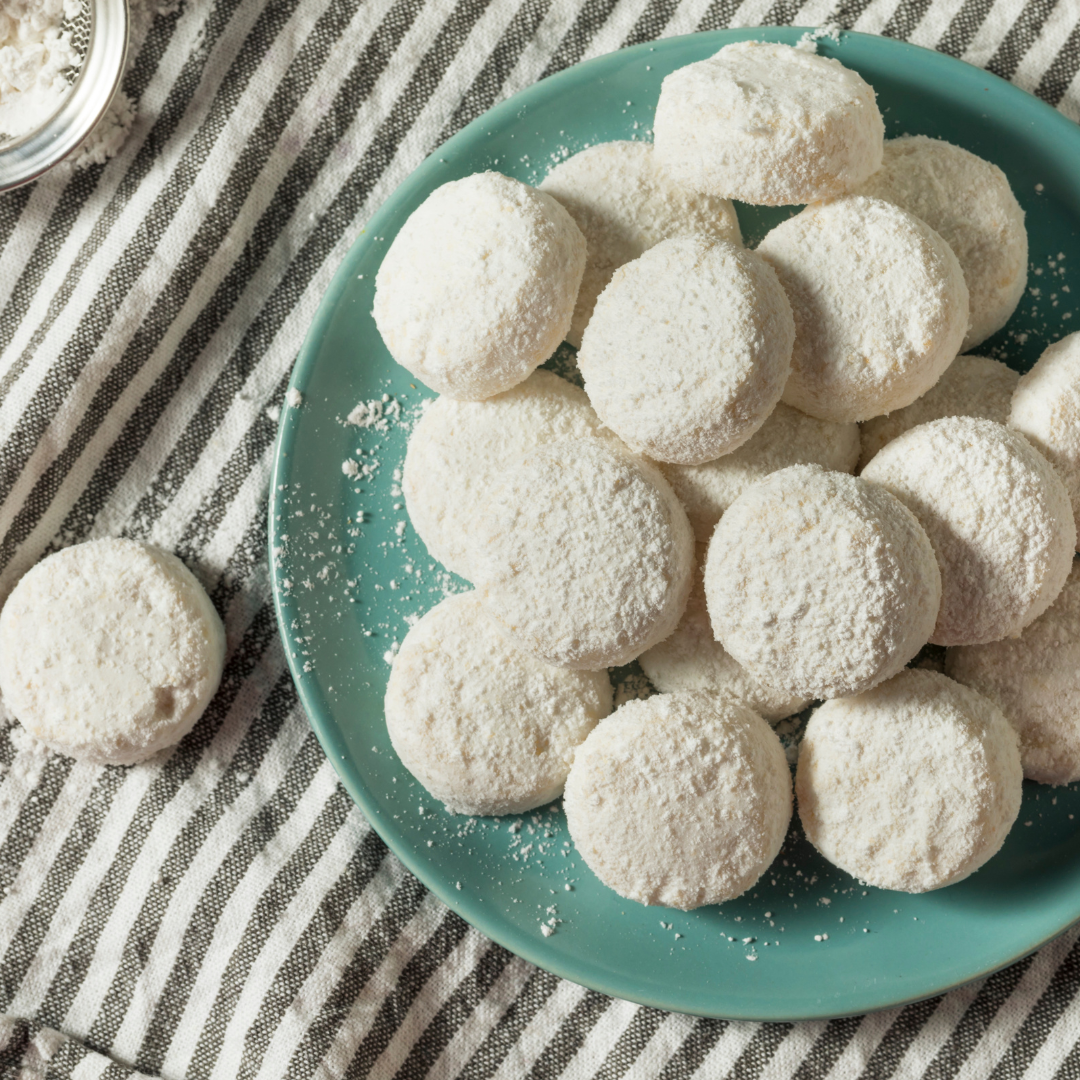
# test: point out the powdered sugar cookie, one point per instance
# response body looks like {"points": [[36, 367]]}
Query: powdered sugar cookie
{"points": [[998, 516], [768, 124], [688, 349], [681, 800], [624, 204], [880, 306], [583, 554], [788, 437], [820, 583], [969, 203], [484, 727], [971, 386], [692, 659], [910, 786], [1046, 408], [459, 446], [109, 651], [1035, 681], [478, 287]]}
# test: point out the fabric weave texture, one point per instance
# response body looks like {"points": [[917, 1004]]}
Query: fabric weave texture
{"points": [[228, 912]]}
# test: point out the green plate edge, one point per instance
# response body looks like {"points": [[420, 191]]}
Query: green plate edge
{"points": [[1023, 898]]}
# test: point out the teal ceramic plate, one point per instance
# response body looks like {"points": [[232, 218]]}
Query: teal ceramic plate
{"points": [[349, 575]]}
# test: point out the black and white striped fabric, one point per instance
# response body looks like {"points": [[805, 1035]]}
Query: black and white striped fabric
{"points": [[229, 913]]}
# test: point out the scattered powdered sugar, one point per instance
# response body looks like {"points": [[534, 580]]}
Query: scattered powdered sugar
{"points": [[808, 42]]}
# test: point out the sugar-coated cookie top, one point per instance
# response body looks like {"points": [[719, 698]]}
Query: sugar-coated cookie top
{"points": [[1046, 409], [484, 727], [109, 651], [682, 800], [788, 437], [624, 204], [997, 514], [1035, 681], [971, 386], [821, 583], [458, 447], [478, 287], [583, 555], [769, 125], [910, 786], [879, 301], [692, 659], [969, 203], [688, 349]]}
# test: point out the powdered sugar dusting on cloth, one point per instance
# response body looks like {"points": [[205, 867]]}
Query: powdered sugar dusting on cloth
{"points": [[999, 518]]}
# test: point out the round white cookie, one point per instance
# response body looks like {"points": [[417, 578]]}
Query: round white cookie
{"points": [[768, 124], [971, 386], [969, 203], [788, 437], [910, 786], [688, 349], [583, 554], [1046, 408], [692, 659], [820, 583], [484, 727], [1035, 681], [998, 516], [681, 800], [458, 447], [624, 204], [478, 287], [109, 651], [880, 306]]}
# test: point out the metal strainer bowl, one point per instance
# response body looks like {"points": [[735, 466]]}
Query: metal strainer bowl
{"points": [[100, 33]]}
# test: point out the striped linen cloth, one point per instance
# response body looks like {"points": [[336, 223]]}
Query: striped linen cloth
{"points": [[229, 913]]}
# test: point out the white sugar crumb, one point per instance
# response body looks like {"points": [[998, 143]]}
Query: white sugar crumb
{"points": [[808, 42], [546, 930], [293, 397], [376, 413]]}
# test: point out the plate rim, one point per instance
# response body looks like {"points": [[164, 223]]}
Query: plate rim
{"points": [[327, 730]]}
